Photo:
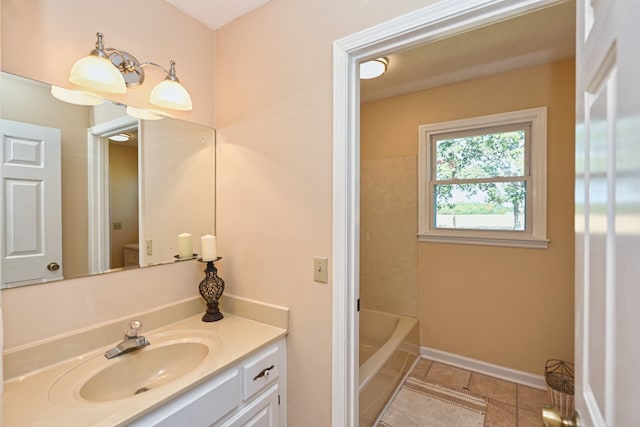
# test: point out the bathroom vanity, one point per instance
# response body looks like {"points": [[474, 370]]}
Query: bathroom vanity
{"points": [[226, 373], [247, 393]]}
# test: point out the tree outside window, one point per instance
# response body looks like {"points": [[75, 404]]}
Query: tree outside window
{"points": [[482, 180]]}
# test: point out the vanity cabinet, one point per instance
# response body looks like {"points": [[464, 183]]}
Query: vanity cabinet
{"points": [[131, 255], [251, 392]]}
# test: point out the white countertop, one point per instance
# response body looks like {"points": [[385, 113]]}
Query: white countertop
{"points": [[26, 399]]}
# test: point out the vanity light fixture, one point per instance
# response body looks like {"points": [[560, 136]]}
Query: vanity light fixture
{"points": [[374, 68], [78, 97], [111, 70]]}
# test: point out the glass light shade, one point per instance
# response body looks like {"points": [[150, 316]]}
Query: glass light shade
{"points": [[97, 73], [373, 69], [142, 114], [120, 137], [171, 94], [78, 97]]}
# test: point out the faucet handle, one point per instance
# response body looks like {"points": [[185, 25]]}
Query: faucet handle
{"points": [[132, 329]]}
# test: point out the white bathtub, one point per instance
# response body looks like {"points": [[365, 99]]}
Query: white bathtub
{"points": [[388, 349]]}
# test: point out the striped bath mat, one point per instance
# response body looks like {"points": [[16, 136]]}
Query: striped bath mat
{"points": [[423, 404]]}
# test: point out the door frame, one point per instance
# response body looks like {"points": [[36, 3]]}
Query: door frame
{"points": [[440, 20], [99, 244]]}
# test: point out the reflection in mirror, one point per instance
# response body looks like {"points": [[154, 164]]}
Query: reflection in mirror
{"points": [[77, 202]]}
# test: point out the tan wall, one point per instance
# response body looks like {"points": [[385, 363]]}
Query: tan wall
{"points": [[123, 199], [507, 306], [274, 183], [388, 244], [42, 39]]}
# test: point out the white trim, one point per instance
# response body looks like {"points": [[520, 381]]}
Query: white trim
{"points": [[507, 374], [439, 20], [520, 242], [535, 236]]}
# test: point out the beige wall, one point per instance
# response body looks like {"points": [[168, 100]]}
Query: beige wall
{"points": [[179, 174], [274, 183], [507, 306], [42, 39]]}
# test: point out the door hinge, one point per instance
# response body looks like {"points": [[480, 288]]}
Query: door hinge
{"points": [[358, 305], [278, 399]]}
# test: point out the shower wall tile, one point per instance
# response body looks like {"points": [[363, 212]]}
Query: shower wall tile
{"points": [[388, 242]]}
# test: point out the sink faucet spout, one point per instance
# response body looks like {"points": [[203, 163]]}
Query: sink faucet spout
{"points": [[131, 341]]}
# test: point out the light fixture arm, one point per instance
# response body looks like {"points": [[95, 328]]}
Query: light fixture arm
{"points": [[128, 65], [95, 73], [171, 73]]}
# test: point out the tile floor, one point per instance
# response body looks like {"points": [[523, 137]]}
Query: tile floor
{"points": [[510, 404]]}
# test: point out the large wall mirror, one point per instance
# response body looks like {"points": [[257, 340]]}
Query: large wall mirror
{"points": [[89, 190]]}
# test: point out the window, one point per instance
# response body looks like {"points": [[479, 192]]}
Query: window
{"points": [[483, 180]]}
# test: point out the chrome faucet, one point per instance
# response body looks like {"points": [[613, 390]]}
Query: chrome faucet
{"points": [[131, 341]]}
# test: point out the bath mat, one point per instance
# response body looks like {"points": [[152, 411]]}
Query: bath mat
{"points": [[423, 404]]}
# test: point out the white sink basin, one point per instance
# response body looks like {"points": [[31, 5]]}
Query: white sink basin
{"points": [[169, 357]]}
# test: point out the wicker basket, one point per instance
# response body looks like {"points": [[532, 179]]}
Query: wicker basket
{"points": [[559, 376]]}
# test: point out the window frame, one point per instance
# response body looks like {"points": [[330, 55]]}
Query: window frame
{"points": [[535, 233]]}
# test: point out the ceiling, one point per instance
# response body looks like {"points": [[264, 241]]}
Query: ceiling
{"points": [[540, 37], [216, 13]]}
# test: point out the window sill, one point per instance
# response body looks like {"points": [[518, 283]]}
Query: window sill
{"points": [[531, 243]]}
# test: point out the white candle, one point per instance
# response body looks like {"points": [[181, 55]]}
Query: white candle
{"points": [[185, 245], [209, 247]]}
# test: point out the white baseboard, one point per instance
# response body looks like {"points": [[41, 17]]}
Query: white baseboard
{"points": [[508, 374]]}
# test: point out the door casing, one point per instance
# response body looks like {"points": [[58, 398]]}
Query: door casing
{"points": [[434, 22]]}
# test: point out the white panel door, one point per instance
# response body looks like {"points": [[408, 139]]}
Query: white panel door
{"points": [[608, 213], [31, 212]]}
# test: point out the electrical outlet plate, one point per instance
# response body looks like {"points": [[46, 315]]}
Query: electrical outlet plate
{"points": [[320, 269]]}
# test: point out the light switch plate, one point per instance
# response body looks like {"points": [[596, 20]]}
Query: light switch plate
{"points": [[149, 249], [320, 269]]}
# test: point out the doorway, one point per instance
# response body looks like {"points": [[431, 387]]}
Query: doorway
{"points": [[432, 23], [113, 195]]}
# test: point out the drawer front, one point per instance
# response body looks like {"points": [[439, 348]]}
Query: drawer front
{"points": [[198, 407], [260, 371]]}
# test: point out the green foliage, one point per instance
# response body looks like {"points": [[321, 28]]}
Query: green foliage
{"points": [[468, 159], [473, 209]]}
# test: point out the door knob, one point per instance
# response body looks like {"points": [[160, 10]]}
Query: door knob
{"points": [[551, 418], [53, 266]]}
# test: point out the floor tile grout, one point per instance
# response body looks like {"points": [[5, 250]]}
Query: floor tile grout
{"points": [[495, 389]]}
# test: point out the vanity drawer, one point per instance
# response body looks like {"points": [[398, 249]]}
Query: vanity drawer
{"points": [[199, 407], [260, 371]]}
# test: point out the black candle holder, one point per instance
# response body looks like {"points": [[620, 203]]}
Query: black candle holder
{"points": [[211, 289]]}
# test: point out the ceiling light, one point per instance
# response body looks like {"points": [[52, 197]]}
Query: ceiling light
{"points": [[78, 97], [112, 71], [374, 68], [120, 137]]}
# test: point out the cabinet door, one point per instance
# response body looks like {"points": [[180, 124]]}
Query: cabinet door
{"points": [[262, 412]]}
